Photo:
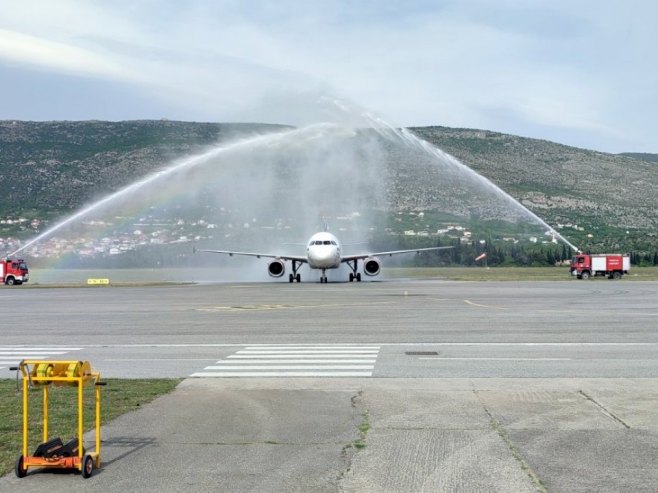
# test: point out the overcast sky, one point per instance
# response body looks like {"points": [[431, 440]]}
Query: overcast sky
{"points": [[583, 73]]}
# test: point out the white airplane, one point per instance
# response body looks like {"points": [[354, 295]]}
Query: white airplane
{"points": [[323, 251]]}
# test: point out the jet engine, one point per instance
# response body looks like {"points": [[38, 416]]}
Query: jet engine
{"points": [[371, 266], [276, 268]]}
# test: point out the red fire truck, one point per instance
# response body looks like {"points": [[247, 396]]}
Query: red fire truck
{"points": [[613, 265], [13, 271]]}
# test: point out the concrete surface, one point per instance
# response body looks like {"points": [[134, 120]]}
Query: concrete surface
{"points": [[507, 435], [535, 386]]}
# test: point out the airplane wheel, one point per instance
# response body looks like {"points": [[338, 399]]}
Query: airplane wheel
{"points": [[299, 278], [351, 277], [358, 277], [291, 278]]}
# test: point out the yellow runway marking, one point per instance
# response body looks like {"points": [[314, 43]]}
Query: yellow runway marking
{"points": [[484, 306], [253, 308]]}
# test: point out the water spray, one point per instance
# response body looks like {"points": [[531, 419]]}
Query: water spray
{"points": [[404, 135], [191, 162], [301, 136]]}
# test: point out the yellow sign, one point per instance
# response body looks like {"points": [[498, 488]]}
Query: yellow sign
{"points": [[98, 281]]}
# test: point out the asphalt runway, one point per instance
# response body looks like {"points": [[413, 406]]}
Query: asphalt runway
{"points": [[595, 328], [380, 386]]}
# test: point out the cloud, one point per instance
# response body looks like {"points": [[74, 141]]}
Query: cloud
{"points": [[26, 49], [557, 66]]}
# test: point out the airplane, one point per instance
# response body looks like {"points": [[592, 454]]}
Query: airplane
{"points": [[323, 251]]}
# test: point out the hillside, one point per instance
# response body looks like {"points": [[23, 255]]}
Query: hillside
{"points": [[48, 169], [55, 167], [608, 194], [642, 156]]}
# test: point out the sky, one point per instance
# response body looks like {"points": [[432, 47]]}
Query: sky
{"points": [[582, 73]]}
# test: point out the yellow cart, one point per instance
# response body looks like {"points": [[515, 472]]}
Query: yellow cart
{"points": [[52, 453]]}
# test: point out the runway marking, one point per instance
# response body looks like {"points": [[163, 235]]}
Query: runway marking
{"points": [[526, 344], [428, 344], [379, 344], [239, 308], [318, 346], [296, 361], [312, 351], [285, 374], [499, 359], [245, 308], [314, 366], [310, 356], [159, 359], [13, 355], [485, 306]]}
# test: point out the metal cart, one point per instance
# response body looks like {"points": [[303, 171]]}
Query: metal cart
{"points": [[52, 452]]}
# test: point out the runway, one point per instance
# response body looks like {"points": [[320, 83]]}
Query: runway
{"points": [[381, 386], [417, 329]]}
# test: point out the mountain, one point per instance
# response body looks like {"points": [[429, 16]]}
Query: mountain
{"points": [[614, 197], [54, 167], [49, 169], [642, 156]]}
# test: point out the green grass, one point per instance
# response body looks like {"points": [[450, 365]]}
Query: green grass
{"points": [[510, 274], [117, 398], [364, 428]]}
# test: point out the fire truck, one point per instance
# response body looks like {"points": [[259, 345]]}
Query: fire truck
{"points": [[613, 265], [13, 271]]}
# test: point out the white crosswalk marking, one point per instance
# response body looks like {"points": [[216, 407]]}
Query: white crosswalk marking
{"points": [[12, 355], [302, 360]]}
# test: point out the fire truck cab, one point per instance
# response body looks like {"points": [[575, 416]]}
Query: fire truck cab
{"points": [[13, 271]]}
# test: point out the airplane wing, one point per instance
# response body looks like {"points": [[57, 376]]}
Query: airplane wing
{"points": [[349, 258], [297, 258]]}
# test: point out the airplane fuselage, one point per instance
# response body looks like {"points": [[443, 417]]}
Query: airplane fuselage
{"points": [[323, 251]]}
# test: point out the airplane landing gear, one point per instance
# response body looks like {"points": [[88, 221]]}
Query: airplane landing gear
{"points": [[323, 277], [354, 275], [295, 276]]}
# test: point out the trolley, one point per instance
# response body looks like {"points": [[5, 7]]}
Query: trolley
{"points": [[52, 452]]}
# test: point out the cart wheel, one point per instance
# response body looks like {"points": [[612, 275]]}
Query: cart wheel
{"points": [[19, 469], [87, 466]]}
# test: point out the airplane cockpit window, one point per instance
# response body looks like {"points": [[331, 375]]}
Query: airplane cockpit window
{"points": [[327, 242]]}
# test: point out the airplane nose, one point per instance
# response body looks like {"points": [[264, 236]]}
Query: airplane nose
{"points": [[325, 257]]}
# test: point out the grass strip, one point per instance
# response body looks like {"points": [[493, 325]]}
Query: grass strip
{"points": [[510, 274], [118, 397]]}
